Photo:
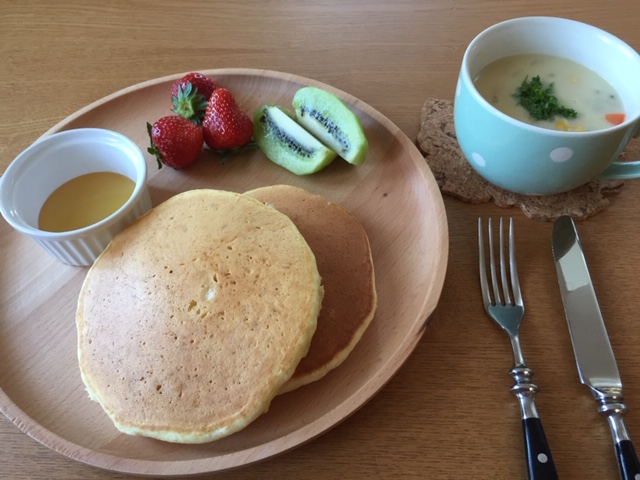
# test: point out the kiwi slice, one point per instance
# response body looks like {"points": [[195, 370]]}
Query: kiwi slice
{"points": [[331, 121], [286, 143]]}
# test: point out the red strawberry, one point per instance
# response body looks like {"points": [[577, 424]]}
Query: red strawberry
{"points": [[189, 95], [202, 83], [225, 126], [175, 141]]}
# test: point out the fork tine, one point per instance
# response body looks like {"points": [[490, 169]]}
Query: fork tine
{"points": [[515, 281], [492, 265], [484, 284], [503, 264], [504, 283]]}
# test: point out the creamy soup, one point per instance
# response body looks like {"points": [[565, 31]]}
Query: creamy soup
{"points": [[576, 87]]}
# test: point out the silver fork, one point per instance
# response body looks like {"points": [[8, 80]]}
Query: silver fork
{"points": [[503, 303]]}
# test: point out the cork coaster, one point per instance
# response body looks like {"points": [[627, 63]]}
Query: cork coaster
{"points": [[437, 141]]}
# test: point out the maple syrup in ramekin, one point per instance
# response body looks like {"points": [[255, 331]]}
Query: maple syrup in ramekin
{"points": [[84, 200]]}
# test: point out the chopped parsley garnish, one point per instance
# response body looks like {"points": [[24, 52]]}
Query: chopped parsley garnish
{"points": [[540, 101]]}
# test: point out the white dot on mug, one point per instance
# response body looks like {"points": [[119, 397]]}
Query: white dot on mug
{"points": [[479, 159], [561, 154]]}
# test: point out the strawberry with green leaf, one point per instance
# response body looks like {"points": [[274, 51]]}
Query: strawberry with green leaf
{"points": [[190, 95], [225, 125], [175, 141]]}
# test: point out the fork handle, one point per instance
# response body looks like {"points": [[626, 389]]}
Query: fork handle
{"points": [[540, 464]]}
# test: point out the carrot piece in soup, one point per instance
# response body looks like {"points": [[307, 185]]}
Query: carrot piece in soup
{"points": [[615, 118]]}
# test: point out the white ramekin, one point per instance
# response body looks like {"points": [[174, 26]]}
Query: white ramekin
{"points": [[53, 160]]}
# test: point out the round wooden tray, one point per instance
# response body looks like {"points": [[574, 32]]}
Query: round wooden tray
{"points": [[395, 197]]}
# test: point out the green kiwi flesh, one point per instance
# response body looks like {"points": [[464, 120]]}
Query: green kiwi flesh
{"points": [[286, 143], [332, 122]]}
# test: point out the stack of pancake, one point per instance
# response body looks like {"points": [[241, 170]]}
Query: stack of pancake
{"points": [[198, 314]]}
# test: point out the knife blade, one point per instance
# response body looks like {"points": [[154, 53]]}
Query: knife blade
{"points": [[596, 362]]}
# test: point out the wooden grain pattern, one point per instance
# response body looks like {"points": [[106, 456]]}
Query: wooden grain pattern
{"points": [[447, 414], [393, 195]]}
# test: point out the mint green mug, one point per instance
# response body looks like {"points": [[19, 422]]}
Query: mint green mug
{"points": [[533, 160]]}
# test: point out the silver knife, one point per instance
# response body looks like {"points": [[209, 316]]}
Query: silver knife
{"points": [[594, 356]]}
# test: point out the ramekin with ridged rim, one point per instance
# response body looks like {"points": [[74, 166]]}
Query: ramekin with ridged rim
{"points": [[53, 160]]}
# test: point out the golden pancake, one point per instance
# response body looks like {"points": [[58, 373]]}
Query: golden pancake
{"points": [[343, 255], [196, 315]]}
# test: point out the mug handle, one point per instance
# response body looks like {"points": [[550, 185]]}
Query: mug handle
{"points": [[623, 170]]}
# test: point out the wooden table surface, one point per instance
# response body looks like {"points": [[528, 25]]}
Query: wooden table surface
{"points": [[448, 413]]}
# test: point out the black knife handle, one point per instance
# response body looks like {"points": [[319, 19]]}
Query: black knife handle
{"points": [[540, 465], [627, 460], [613, 408]]}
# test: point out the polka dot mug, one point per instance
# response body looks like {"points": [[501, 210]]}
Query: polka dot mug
{"points": [[533, 160]]}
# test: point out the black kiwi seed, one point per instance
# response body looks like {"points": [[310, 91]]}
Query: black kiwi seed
{"points": [[330, 126], [285, 138]]}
